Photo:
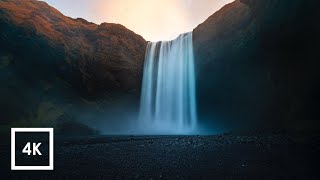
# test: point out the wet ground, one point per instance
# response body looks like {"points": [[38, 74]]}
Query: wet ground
{"points": [[180, 157]]}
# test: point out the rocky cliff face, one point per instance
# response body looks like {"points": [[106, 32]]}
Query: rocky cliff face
{"points": [[48, 58], [257, 64], [101, 54]]}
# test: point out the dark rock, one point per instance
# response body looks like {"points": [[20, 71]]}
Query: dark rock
{"points": [[46, 57], [257, 65]]}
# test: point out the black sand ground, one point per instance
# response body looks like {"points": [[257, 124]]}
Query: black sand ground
{"points": [[225, 156]]}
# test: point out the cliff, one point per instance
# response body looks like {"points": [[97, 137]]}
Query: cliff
{"points": [[48, 58], [257, 64]]}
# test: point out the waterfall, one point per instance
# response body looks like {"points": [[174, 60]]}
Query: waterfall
{"points": [[168, 102]]}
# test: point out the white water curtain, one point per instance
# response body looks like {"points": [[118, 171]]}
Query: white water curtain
{"points": [[168, 98]]}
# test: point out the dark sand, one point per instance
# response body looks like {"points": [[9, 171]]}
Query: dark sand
{"points": [[180, 157]]}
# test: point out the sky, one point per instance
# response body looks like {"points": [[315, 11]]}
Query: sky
{"points": [[155, 20]]}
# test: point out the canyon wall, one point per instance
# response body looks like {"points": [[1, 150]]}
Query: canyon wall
{"points": [[257, 64], [50, 63]]}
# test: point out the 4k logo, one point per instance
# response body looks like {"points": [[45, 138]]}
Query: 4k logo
{"points": [[31, 148], [35, 151]]}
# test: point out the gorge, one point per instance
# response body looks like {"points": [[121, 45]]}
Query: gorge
{"points": [[235, 98], [255, 67]]}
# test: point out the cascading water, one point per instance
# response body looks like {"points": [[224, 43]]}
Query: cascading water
{"points": [[168, 102]]}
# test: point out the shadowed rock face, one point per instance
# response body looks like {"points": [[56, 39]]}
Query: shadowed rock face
{"points": [[257, 64], [44, 55]]}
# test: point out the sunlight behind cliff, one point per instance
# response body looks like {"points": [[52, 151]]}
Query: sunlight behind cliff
{"points": [[155, 20]]}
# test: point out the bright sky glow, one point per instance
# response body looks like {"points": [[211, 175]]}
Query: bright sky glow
{"points": [[155, 20]]}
